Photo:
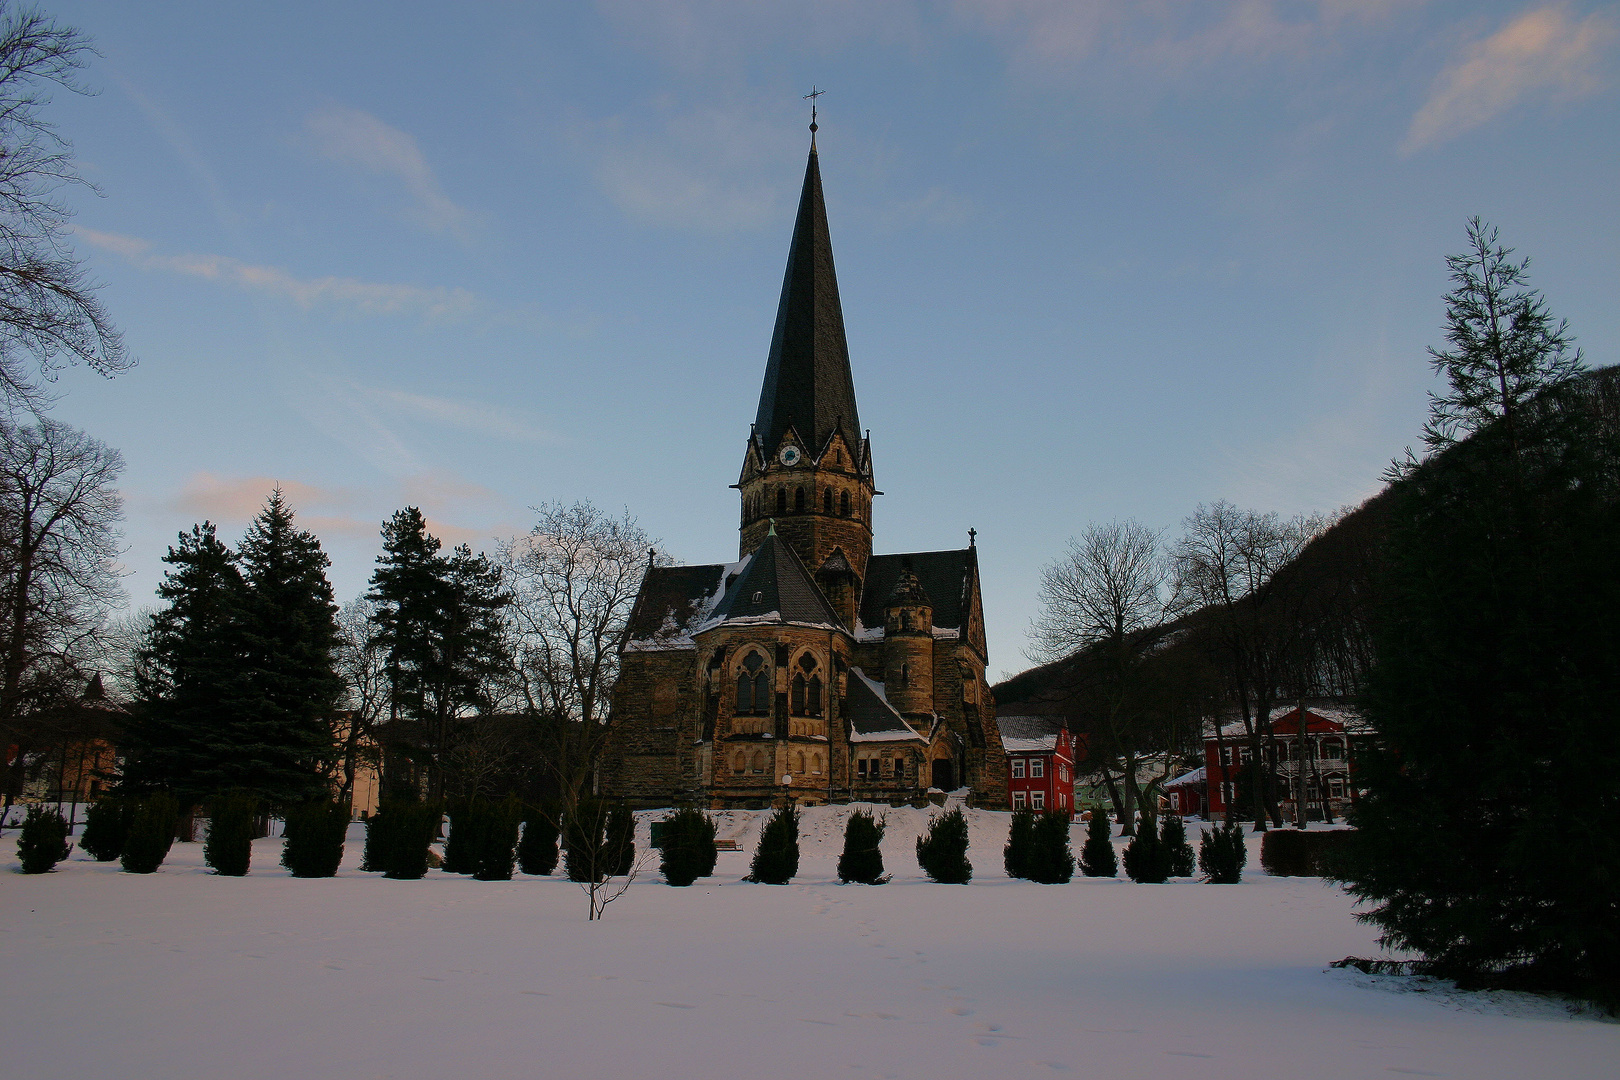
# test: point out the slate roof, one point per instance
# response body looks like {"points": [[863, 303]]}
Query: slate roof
{"points": [[672, 601], [871, 717], [1027, 733], [808, 386], [773, 588], [946, 577]]}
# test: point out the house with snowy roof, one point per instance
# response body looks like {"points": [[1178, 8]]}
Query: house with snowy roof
{"points": [[810, 669], [1041, 757], [1314, 761]]}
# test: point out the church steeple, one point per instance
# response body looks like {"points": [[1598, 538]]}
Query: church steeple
{"points": [[808, 466], [808, 388]]}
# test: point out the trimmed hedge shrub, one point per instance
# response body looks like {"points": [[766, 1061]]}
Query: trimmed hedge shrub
{"points": [[862, 859], [1146, 861], [231, 826], [151, 833], [621, 839], [1222, 854], [461, 844], [106, 823], [687, 845], [1293, 853], [1020, 843], [398, 837], [497, 840], [43, 841], [1178, 853], [315, 832], [584, 836], [942, 853], [537, 850], [1097, 858], [1050, 860], [776, 859]]}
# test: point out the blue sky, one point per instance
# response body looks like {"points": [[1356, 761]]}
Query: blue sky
{"points": [[1097, 260]]}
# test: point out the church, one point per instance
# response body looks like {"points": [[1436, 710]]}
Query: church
{"points": [[809, 670]]}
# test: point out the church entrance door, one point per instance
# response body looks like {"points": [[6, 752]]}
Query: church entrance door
{"points": [[942, 775]]}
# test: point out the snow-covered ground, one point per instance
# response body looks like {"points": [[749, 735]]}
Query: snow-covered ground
{"points": [[184, 974]]}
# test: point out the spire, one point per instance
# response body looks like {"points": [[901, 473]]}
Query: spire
{"points": [[807, 382]]}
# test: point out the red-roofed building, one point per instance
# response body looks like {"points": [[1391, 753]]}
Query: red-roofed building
{"points": [[1041, 755]]}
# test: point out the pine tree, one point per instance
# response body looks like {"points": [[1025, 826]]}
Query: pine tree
{"points": [[1051, 862], [151, 833], [1020, 842], [688, 846], [229, 847], [1221, 854], [776, 858], [106, 823], [1178, 853], [43, 842], [537, 850], [862, 858], [497, 849], [1146, 861], [942, 852], [1097, 858], [315, 832], [621, 839]]}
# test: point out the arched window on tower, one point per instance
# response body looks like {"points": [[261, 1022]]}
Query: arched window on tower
{"points": [[826, 501], [781, 500], [798, 500], [740, 763], [843, 504], [905, 674]]}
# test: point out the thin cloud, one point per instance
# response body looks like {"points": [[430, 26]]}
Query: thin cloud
{"points": [[476, 416], [353, 137], [433, 303], [220, 498], [1544, 51]]}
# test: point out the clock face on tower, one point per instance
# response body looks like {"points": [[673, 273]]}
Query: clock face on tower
{"points": [[789, 456]]}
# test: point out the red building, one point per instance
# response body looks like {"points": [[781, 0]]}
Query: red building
{"points": [[1314, 768], [1041, 755]]}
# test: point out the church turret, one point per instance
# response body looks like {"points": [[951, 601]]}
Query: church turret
{"points": [[908, 647], [808, 467]]}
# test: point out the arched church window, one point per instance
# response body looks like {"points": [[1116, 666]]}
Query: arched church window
{"points": [[798, 695], [781, 500], [798, 500], [815, 764], [905, 674], [757, 765], [843, 504], [753, 685], [905, 620], [740, 763], [813, 697], [826, 501], [798, 764]]}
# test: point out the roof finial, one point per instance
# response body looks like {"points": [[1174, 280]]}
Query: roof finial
{"points": [[973, 538], [811, 98]]}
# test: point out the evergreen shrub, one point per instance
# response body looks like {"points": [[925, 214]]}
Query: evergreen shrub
{"points": [[537, 850], [466, 834], [1051, 862], [942, 853], [585, 853], [399, 836], [106, 822], [498, 839], [315, 832], [151, 832], [1146, 861], [1292, 853], [776, 858], [1020, 842], [621, 839], [1178, 853], [231, 827], [1097, 858], [1222, 854], [43, 841], [687, 845], [862, 859]]}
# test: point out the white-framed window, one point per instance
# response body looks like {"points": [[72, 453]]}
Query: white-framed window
{"points": [[1018, 768], [1018, 800], [1037, 768], [1037, 800]]}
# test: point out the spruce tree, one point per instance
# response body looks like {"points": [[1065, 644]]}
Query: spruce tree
{"points": [[43, 842], [1020, 843], [688, 846], [1178, 853], [1222, 854], [106, 822], [621, 839], [315, 832], [942, 851], [537, 850], [1146, 861], [1097, 858], [776, 857], [1051, 862], [862, 858], [228, 850], [151, 833]]}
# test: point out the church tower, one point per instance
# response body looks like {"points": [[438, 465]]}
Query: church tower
{"points": [[808, 467]]}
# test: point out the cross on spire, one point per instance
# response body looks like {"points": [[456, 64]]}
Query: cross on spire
{"points": [[973, 538], [811, 98]]}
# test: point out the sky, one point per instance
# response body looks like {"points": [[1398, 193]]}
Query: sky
{"points": [[1098, 260]]}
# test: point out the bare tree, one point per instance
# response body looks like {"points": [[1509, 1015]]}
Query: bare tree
{"points": [[362, 663], [59, 515], [575, 576], [49, 313]]}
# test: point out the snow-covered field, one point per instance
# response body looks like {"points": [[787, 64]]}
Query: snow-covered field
{"points": [[184, 974]]}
